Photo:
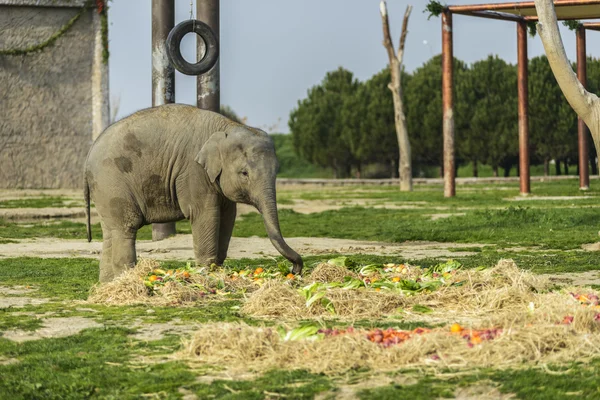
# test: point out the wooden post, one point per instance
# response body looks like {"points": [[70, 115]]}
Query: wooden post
{"points": [[448, 105], [523, 108], [582, 130], [163, 78], [209, 84]]}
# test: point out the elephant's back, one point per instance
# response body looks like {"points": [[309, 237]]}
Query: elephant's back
{"points": [[156, 132]]}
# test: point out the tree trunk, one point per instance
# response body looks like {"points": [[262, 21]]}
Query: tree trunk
{"points": [[475, 169], [594, 166], [507, 171], [495, 169], [546, 167], [404, 162], [566, 166], [557, 167], [585, 104]]}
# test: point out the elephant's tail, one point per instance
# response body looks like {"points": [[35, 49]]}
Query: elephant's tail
{"points": [[86, 195]]}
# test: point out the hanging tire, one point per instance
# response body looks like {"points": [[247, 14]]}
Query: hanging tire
{"points": [[211, 55]]}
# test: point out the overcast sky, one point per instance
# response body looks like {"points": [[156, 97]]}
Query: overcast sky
{"points": [[272, 51]]}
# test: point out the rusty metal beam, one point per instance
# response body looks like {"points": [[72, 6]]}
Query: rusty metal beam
{"points": [[163, 78], [447, 101], [209, 84], [519, 5], [582, 130], [592, 26], [523, 94], [493, 15]]}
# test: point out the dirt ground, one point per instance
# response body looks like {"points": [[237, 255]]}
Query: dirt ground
{"points": [[180, 248]]}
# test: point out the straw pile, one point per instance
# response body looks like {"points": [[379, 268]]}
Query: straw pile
{"points": [[502, 287], [129, 288], [528, 336]]}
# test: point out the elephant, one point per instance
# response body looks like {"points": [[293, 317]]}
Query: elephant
{"points": [[175, 162]]}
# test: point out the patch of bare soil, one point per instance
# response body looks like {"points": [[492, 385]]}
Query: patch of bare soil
{"points": [[53, 328], [180, 248], [16, 290], [8, 361], [16, 194], [317, 206], [149, 332], [6, 302], [435, 217], [586, 278], [44, 213], [542, 198], [350, 391], [481, 391]]}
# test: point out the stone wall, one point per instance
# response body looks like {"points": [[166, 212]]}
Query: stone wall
{"points": [[49, 99]]}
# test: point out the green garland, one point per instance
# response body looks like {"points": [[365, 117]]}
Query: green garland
{"points": [[104, 33], [63, 29], [572, 24], [434, 8], [532, 28]]}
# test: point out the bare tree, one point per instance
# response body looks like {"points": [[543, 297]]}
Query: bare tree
{"points": [[585, 104], [404, 164]]}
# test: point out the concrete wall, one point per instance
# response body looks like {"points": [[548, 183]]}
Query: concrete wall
{"points": [[50, 100]]}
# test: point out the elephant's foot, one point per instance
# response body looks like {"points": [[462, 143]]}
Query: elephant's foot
{"points": [[106, 273]]}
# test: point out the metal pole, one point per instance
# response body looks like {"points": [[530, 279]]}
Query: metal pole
{"points": [[523, 108], [582, 130], [163, 78], [209, 85], [448, 103]]}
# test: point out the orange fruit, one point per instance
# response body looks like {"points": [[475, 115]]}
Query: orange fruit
{"points": [[396, 279], [152, 278], [186, 274], [258, 270], [456, 328], [290, 276]]}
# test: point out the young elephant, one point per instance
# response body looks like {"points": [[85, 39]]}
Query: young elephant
{"points": [[172, 162]]}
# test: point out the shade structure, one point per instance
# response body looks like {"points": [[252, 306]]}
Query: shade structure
{"points": [[521, 13], [565, 9]]}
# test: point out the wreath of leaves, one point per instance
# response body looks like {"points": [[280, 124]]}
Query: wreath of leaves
{"points": [[434, 8], [101, 5], [572, 24]]}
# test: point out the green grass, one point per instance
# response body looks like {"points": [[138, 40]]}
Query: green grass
{"points": [[549, 228], [105, 362], [38, 202]]}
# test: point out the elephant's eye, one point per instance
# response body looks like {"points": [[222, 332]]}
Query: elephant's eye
{"points": [[245, 173]]}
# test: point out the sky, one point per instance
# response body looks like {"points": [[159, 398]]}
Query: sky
{"points": [[273, 51]]}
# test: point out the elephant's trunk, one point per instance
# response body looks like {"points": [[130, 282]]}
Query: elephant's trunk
{"points": [[268, 209]]}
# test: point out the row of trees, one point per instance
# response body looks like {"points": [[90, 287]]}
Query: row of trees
{"points": [[345, 124]]}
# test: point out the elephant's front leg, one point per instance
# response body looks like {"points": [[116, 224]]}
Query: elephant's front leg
{"points": [[205, 223], [228, 213]]}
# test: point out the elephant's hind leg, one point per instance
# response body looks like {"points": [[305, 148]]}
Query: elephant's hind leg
{"points": [[106, 267], [123, 251]]}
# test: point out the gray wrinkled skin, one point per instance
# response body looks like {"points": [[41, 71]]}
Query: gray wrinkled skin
{"points": [[172, 162]]}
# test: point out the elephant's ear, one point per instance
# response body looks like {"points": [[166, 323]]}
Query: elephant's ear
{"points": [[210, 155]]}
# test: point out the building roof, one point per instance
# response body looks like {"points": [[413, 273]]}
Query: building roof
{"points": [[44, 3]]}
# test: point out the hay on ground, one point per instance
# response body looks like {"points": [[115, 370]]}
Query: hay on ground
{"points": [[502, 287], [325, 272], [129, 288], [533, 338]]}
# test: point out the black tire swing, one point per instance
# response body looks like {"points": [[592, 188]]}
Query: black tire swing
{"points": [[211, 55]]}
